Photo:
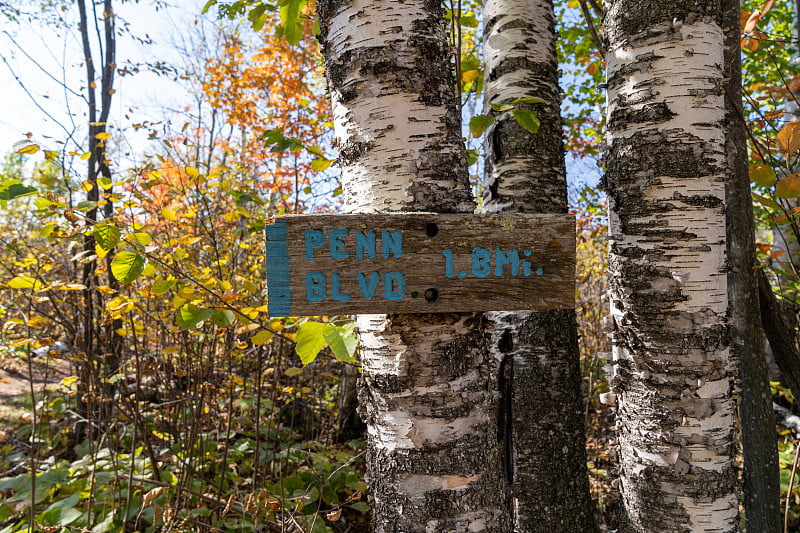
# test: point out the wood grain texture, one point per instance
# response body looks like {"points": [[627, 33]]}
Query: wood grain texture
{"points": [[315, 264]]}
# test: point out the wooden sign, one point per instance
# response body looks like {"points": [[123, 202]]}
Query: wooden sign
{"points": [[419, 263]]}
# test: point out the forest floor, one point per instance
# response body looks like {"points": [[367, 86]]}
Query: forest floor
{"points": [[16, 377]]}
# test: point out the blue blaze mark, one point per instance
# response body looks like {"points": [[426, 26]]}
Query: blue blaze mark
{"points": [[279, 292], [462, 274], [539, 271]]}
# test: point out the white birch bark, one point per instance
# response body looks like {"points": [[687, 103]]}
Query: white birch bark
{"points": [[433, 455], [667, 275], [542, 414]]}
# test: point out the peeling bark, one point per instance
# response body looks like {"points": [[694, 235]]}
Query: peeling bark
{"points": [[543, 419], [666, 173], [433, 461]]}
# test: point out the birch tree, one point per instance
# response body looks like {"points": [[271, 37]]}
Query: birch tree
{"points": [[433, 461], [542, 410], [665, 180]]}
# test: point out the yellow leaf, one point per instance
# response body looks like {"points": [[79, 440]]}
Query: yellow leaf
{"points": [[168, 214], [102, 136], [28, 149], [789, 138], [470, 75], [86, 155], [261, 337], [68, 381], [20, 342], [87, 186], [24, 282], [105, 289], [192, 171]]}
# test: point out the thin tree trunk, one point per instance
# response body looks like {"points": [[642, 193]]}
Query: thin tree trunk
{"points": [[762, 488], [544, 421], [666, 174], [433, 461]]}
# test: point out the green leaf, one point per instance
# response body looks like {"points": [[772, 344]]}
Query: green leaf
{"points": [[479, 123], [319, 164], [310, 341], [223, 317], [160, 287], [469, 21], [208, 5], [190, 316], [105, 183], [12, 188], [502, 107], [139, 238], [527, 119], [127, 266], [472, 157], [106, 235], [290, 20], [343, 343], [530, 100]]}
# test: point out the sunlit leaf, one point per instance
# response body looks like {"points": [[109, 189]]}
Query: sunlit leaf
{"points": [[310, 340], [102, 136], [160, 287], [343, 344], [530, 100], [192, 171], [127, 266], [762, 175], [789, 138], [28, 149], [24, 282], [190, 316], [223, 317], [319, 164], [10, 189], [106, 235], [501, 107], [261, 337], [105, 183], [788, 187], [479, 123]]}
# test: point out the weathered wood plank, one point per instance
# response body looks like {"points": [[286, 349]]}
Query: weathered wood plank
{"points": [[419, 263]]}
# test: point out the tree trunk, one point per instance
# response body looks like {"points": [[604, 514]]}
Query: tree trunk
{"points": [[433, 461], [666, 173], [762, 488], [543, 408]]}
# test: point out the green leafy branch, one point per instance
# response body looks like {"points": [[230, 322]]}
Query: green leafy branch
{"points": [[526, 118]]}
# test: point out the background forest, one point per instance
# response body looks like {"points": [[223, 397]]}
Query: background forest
{"points": [[159, 395]]}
